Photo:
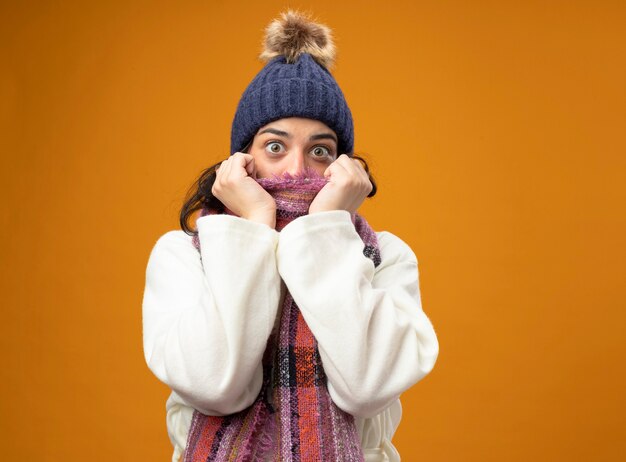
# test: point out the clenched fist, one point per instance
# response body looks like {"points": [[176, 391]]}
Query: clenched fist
{"points": [[347, 188], [235, 186]]}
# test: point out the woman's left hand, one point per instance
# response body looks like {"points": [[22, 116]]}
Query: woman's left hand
{"points": [[347, 188]]}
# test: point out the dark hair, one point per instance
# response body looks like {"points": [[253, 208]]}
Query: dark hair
{"points": [[200, 193]]}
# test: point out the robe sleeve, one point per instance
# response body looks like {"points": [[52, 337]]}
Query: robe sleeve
{"points": [[206, 320], [374, 338]]}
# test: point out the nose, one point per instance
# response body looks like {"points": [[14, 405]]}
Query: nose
{"points": [[297, 162]]}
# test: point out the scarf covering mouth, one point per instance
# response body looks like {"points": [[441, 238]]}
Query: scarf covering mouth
{"points": [[293, 417]]}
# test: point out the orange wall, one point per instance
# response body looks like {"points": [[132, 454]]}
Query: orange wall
{"points": [[496, 133]]}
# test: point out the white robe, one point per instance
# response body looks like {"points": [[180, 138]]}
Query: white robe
{"points": [[206, 320]]}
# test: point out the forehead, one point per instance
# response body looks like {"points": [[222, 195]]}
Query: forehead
{"points": [[298, 124]]}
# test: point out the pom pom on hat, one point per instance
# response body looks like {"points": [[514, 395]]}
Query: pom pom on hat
{"points": [[296, 33]]}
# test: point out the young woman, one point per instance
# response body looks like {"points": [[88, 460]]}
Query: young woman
{"points": [[284, 325]]}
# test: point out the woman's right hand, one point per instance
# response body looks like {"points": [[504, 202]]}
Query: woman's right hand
{"points": [[237, 189]]}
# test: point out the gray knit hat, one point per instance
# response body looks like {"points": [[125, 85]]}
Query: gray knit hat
{"points": [[296, 82]]}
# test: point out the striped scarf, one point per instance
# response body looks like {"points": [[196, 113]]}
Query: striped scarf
{"points": [[293, 418]]}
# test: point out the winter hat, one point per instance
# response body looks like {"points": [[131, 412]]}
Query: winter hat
{"points": [[295, 82]]}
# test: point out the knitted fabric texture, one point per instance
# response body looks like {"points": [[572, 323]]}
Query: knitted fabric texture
{"points": [[300, 89], [293, 418]]}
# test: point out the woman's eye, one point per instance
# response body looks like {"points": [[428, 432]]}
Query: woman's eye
{"points": [[321, 151], [274, 147]]}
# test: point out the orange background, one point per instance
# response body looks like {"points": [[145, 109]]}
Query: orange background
{"points": [[495, 131]]}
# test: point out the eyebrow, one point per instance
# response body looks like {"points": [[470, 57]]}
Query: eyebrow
{"points": [[319, 136]]}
